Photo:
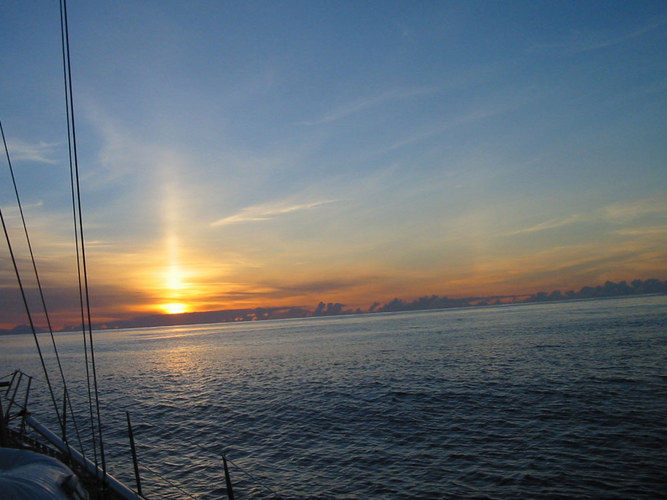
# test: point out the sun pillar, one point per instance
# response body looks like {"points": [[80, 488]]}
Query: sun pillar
{"points": [[174, 285], [174, 279]]}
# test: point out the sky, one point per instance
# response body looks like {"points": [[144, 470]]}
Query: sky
{"points": [[261, 153]]}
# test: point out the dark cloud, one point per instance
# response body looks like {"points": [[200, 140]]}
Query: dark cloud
{"points": [[63, 304], [311, 287]]}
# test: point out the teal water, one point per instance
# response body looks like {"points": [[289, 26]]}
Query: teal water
{"points": [[559, 400]]}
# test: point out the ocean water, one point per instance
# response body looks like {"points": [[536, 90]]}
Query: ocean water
{"points": [[559, 400]]}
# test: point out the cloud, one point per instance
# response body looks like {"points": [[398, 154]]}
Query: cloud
{"points": [[266, 211], [13, 211], [644, 231], [619, 213], [549, 224], [578, 41], [624, 212], [42, 152], [476, 113], [310, 287], [371, 102]]}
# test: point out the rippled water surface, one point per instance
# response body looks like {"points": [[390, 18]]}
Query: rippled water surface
{"points": [[557, 400]]}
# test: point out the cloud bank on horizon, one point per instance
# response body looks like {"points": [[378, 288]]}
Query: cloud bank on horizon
{"points": [[264, 154]]}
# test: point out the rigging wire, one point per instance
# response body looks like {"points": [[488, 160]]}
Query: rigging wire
{"points": [[258, 481], [83, 277], [38, 281], [210, 458], [65, 49], [168, 481], [23, 294]]}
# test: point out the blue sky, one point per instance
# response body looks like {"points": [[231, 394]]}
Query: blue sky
{"points": [[241, 154]]}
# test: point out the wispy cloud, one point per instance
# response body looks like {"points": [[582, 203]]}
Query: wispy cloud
{"points": [[619, 214], [643, 231], [624, 212], [549, 224], [13, 211], [588, 41], [41, 152], [267, 211], [359, 105], [480, 112]]}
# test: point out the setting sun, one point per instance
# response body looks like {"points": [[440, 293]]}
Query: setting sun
{"points": [[174, 308]]}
